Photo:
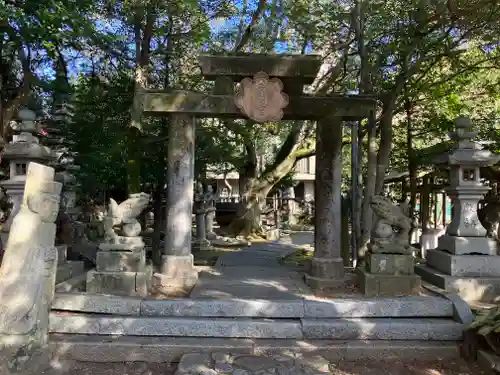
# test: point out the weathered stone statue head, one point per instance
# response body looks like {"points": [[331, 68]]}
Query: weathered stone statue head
{"points": [[45, 202], [42, 193]]}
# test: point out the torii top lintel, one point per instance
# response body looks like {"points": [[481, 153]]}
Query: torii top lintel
{"points": [[266, 78], [303, 68]]}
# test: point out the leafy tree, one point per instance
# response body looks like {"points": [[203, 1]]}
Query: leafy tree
{"points": [[33, 34]]}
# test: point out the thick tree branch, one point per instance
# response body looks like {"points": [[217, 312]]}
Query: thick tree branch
{"points": [[249, 29], [291, 141]]}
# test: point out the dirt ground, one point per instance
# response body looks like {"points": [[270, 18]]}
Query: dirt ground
{"points": [[458, 367]]}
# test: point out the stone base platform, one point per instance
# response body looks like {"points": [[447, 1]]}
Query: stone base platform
{"points": [[464, 265], [121, 261], [403, 307], [382, 285], [121, 269], [200, 246], [159, 350], [177, 275], [119, 283], [273, 235], [469, 288], [433, 329], [468, 245]]}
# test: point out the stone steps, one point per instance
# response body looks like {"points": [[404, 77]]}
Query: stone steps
{"points": [[68, 270], [86, 348], [437, 329], [103, 328], [75, 284], [404, 307]]}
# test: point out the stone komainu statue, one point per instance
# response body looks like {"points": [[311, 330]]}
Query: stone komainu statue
{"points": [[391, 228], [121, 219]]}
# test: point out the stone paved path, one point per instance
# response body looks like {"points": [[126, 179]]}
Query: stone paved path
{"points": [[253, 272], [290, 364], [223, 363], [370, 367]]}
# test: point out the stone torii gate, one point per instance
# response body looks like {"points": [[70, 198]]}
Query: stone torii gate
{"points": [[270, 89]]}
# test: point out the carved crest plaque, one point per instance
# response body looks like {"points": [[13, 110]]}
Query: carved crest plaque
{"points": [[261, 99]]}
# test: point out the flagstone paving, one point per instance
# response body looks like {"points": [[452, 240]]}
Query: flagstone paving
{"points": [[253, 365], [254, 272], [225, 363]]}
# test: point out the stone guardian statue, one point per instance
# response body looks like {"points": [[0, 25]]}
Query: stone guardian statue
{"points": [[27, 274]]}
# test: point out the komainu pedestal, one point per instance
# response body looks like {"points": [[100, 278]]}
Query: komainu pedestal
{"points": [[121, 260], [27, 276], [389, 262]]}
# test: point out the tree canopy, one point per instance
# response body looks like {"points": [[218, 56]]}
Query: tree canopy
{"points": [[425, 61]]}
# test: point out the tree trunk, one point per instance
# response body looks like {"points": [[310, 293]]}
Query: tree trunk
{"points": [[385, 147], [412, 168], [359, 193], [10, 107], [143, 35], [133, 161], [248, 220], [248, 217]]}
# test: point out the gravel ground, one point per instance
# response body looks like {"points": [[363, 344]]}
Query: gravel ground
{"points": [[458, 367]]}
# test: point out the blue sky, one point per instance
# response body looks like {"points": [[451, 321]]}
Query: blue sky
{"points": [[83, 63]]}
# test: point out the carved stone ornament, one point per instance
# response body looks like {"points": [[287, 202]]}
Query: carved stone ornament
{"points": [[261, 99]]}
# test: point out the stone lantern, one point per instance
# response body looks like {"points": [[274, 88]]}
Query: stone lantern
{"points": [[465, 261], [24, 148]]}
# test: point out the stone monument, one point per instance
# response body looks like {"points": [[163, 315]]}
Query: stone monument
{"points": [[27, 275], [200, 210], [24, 148], [210, 213], [121, 259], [389, 261], [465, 261]]}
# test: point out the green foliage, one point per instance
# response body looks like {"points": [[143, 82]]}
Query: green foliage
{"points": [[487, 322], [98, 131]]}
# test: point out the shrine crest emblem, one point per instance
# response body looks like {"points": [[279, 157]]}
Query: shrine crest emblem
{"points": [[261, 99]]}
